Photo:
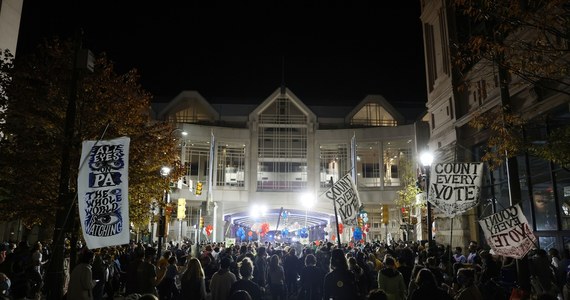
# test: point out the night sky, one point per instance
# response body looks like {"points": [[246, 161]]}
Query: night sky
{"points": [[327, 53]]}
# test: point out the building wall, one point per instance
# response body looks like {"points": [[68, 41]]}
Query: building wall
{"points": [[239, 199], [452, 105], [10, 14]]}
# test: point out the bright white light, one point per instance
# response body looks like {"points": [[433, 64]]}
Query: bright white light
{"points": [[257, 211], [184, 133], [164, 171], [308, 200], [426, 158]]}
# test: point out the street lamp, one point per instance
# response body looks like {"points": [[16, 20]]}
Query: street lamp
{"points": [[164, 172], [426, 158]]}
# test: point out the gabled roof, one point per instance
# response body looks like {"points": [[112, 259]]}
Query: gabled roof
{"points": [[181, 102], [279, 92], [379, 99]]}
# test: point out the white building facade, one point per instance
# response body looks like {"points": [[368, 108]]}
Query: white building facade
{"points": [[274, 155]]}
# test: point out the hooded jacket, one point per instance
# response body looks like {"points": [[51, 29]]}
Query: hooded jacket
{"points": [[392, 282]]}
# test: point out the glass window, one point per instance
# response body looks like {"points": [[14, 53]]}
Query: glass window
{"points": [[194, 113], [196, 158], [542, 195], [282, 147], [547, 242], [333, 163], [368, 164], [231, 165], [395, 155], [373, 114], [563, 194]]}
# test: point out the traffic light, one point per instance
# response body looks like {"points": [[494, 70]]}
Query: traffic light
{"points": [[199, 188], [161, 228], [181, 212], [405, 215], [385, 214], [201, 225]]}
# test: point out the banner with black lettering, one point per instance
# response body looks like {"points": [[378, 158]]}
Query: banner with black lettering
{"points": [[103, 192], [345, 195], [455, 187], [508, 233]]}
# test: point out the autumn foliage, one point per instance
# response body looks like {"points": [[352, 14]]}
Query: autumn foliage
{"points": [[109, 105]]}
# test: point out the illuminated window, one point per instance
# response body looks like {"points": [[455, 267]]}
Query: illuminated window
{"points": [[230, 165], [333, 163], [373, 114], [282, 151]]}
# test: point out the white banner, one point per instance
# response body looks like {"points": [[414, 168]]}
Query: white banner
{"points": [[508, 233], [455, 187], [344, 193], [103, 192]]}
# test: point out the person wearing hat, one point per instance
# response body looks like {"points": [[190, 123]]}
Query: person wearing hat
{"points": [[339, 283]]}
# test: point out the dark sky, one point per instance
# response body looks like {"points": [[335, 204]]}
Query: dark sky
{"points": [[332, 52]]}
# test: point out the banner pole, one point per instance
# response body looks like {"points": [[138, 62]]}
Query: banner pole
{"points": [[336, 216]]}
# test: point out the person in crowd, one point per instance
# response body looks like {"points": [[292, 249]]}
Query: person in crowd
{"points": [[209, 266], [98, 270], [563, 266], [427, 287], [554, 257], [406, 260], [131, 272], [473, 257], [542, 277], [146, 275], [323, 256], [260, 267], [240, 295], [167, 289], [276, 277], [431, 264], [458, 256], [245, 282], [222, 280], [339, 283], [377, 294], [466, 281], [412, 286], [358, 273], [312, 278], [81, 279], [391, 281], [290, 266], [193, 281]]}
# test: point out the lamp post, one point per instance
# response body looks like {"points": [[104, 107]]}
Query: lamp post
{"points": [[426, 159], [154, 212], [164, 172]]}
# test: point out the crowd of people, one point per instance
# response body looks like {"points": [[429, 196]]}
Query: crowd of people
{"points": [[255, 270]]}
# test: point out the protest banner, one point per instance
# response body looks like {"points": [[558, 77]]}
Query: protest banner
{"points": [[344, 193], [103, 192], [508, 233], [455, 187]]}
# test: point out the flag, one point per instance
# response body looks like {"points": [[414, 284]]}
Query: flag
{"points": [[455, 187], [508, 233], [103, 187], [353, 157], [344, 194]]}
